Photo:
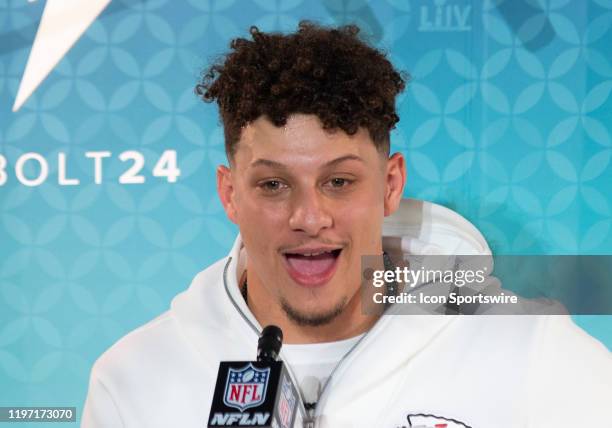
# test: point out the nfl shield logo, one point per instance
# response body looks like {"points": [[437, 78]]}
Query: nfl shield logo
{"points": [[246, 387], [286, 404]]}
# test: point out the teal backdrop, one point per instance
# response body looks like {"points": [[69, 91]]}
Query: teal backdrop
{"points": [[506, 120]]}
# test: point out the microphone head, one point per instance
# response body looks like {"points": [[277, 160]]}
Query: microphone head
{"points": [[269, 344]]}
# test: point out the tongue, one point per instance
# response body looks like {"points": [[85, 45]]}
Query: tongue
{"points": [[311, 265]]}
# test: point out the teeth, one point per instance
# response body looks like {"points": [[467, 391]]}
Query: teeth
{"points": [[315, 254]]}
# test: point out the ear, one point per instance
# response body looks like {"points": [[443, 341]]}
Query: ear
{"points": [[225, 189], [395, 180]]}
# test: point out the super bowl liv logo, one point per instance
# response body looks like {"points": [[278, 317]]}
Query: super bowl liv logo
{"points": [[445, 16]]}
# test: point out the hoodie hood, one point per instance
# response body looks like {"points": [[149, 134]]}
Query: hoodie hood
{"points": [[425, 228]]}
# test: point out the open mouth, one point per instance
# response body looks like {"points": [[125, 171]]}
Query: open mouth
{"points": [[312, 268]]}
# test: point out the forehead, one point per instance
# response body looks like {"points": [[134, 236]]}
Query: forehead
{"points": [[301, 139]]}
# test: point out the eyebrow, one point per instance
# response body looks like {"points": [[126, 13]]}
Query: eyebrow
{"points": [[279, 165]]}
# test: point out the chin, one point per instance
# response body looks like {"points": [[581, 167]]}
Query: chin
{"points": [[313, 317]]}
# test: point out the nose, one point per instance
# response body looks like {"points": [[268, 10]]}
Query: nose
{"points": [[309, 213]]}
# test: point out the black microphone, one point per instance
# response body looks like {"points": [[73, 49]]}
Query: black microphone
{"points": [[257, 393], [269, 343]]}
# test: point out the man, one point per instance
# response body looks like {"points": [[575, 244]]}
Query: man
{"points": [[312, 187]]}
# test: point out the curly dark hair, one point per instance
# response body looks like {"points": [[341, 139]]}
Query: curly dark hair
{"points": [[328, 72]]}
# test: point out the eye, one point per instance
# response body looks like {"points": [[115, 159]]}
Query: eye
{"points": [[339, 182], [272, 186]]}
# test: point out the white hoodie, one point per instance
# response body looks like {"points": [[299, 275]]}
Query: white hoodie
{"points": [[408, 371]]}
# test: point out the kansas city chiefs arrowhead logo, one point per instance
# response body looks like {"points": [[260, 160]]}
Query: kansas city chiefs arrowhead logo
{"points": [[421, 420]]}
